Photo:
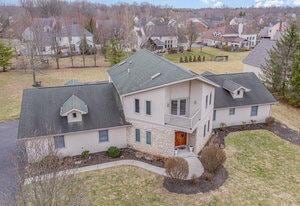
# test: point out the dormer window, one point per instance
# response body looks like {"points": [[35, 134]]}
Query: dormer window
{"points": [[73, 109], [236, 90]]}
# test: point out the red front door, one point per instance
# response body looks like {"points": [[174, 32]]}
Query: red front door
{"points": [[180, 138]]}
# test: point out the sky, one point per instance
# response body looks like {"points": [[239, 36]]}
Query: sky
{"points": [[199, 3]]}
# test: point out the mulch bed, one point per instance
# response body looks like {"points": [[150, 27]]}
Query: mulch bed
{"points": [[126, 154], [198, 185], [277, 128]]}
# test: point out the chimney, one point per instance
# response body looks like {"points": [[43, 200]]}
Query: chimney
{"points": [[240, 28]]}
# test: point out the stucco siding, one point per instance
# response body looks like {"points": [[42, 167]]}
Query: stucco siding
{"points": [[156, 97], [242, 115], [76, 143]]}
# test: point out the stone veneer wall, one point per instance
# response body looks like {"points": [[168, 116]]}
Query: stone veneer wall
{"points": [[162, 138]]}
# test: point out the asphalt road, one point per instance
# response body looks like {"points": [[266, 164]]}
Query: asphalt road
{"points": [[8, 136]]}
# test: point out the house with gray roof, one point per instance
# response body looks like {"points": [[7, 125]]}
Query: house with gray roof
{"points": [[257, 58], [149, 104], [49, 32]]}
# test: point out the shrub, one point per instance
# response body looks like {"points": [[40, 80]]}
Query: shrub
{"points": [[203, 59], [190, 59], [199, 58], [186, 59], [223, 126], [212, 157], [85, 154], [270, 121], [207, 176], [113, 152], [194, 59], [181, 60], [177, 168]]}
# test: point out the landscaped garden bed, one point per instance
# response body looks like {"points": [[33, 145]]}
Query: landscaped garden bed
{"points": [[202, 184], [277, 128]]}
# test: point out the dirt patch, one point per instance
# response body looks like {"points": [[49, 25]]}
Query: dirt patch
{"points": [[198, 185], [277, 128]]}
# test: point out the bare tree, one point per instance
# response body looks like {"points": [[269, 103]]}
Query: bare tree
{"points": [[192, 34], [44, 178], [55, 35], [49, 8]]}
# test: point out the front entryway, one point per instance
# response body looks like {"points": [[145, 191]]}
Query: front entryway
{"points": [[180, 138]]}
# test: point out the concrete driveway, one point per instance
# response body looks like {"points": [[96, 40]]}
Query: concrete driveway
{"points": [[8, 136]]}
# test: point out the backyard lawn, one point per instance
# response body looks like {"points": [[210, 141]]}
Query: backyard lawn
{"points": [[263, 170], [234, 63], [12, 84]]}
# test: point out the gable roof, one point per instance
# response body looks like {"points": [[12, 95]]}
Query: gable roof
{"points": [[134, 74], [161, 30], [73, 103], [257, 56], [257, 94], [40, 110], [74, 30], [231, 86]]}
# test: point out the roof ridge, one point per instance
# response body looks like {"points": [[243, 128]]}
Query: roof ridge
{"points": [[83, 84], [234, 73], [172, 63]]}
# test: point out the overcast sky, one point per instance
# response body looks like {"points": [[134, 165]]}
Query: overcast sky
{"points": [[199, 3]]}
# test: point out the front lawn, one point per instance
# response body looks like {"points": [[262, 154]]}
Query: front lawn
{"points": [[263, 170]]}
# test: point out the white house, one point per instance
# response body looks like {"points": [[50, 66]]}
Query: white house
{"points": [[47, 32], [149, 104]]}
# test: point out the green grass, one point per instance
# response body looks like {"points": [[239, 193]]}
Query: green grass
{"points": [[234, 63], [195, 52], [263, 170]]}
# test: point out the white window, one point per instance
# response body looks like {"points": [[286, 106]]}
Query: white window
{"points": [[231, 111], [148, 137], [137, 105], [148, 107], [103, 136], [59, 141], [254, 110], [178, 107]]}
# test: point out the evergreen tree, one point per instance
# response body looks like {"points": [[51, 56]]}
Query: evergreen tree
{"points": [[115, 53], [278, 69], [6, 53], [295, 79]]}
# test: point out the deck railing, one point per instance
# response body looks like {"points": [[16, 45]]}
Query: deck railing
{"points": [[183, 121]]}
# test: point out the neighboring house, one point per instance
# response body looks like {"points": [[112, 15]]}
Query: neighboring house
{"points": [[234, 36], [163, 33], [149, 104], [46, 36], [257, 58], [271, 32]]}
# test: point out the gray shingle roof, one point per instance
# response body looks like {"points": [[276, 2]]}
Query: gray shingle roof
{"points": [[258, 93], [73, 103], [142, 66], [257, 57], [40, 110], [231, 85], [75, 30]]}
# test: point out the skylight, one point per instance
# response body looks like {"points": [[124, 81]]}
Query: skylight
{"points": [[155, 75]]}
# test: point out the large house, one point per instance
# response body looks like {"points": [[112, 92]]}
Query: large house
{"points": [[234, 36], [49, 33], [148, 104]]}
